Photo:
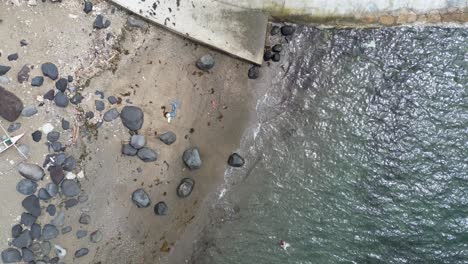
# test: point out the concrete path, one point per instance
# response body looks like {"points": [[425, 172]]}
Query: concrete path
{"points": [[237, 31]]}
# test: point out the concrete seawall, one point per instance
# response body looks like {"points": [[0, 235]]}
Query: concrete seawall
{"points": [[360, 12]]}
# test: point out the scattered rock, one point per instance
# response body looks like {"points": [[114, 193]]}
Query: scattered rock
{"points": [[23, 240], [65, 124], [36, 231], [52, 189], [27, 219], [276, 57], [277, 48], [135, 22], [81, 252], [76, 99], [53, 136], [111, 114], [61, 100], [51, 209], [13, 127], [138, 141], [10, 105], [11, 255], [160, 208], [23, 74], [37, 136], [50, 95], [267, 55], [43, 194], [168, 138], [69, 164], [31, 171], [70, 188], [70, 78], [185, 187], [95, 236], [89, 115], [16, 230], [12, 57], [28, 255], [37, 81], [98, 22], [147, 155], [88, 7], [66, 229], [23, 43], [31, 204], [99, 105], [287, 30], [56, 146], [4, 69], [49, 232], [141, 198], [206, 62], [129, 150], [50, 70], [191, 158], [70, 203], [81, 233], [275, 30], [132, 117], [61, 84], [56, 174], [84, 219], [254, 72], [26, 187], [112, 99], [59, 220]]}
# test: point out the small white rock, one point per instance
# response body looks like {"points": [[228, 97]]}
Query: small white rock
{"points": [[47, 128], [39, 98], [80, 175], [70, 176]]}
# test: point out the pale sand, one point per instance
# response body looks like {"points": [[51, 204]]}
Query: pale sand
{"points": [[150, 68]]}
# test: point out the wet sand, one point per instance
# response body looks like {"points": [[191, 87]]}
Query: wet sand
{"points": [[148, 67]]}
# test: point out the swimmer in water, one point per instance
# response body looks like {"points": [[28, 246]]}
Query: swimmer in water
{"points": [[284, 245]]}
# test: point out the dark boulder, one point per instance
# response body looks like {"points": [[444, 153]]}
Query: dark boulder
{"points": [[191, 158], [129, 150], [50, 70], [27, 219], [88, 7], [61, 84], [235, 160], [56, 174], [160, 208], [23, 74], [49, 232], [11, 255], [31, 171], [31, 204], [37, 81], [10, 105], [206, 62], [287, 30], [16, 230], [168, 138], [141, 198], [254, 72], [147, 155], [4, 69], [26, 187], [70, 188], [132, 117], [23, 240], [185, 187]]}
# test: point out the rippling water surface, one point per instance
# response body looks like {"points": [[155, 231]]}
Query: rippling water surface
{"points": [[360, 155]]}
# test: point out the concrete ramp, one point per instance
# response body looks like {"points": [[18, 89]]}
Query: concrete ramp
{"points": [[235, 30]]}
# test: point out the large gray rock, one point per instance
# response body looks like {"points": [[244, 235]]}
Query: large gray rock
{"points": [[56, 174], [147, 155], [53, 136], [191, 158], [168, 138], [70, 188], [141, 198], [132, 117], [129, 150], [10, 105], [11, 255], [49, 232], [27, 219], [52, 189], [43, 195], [206, 62], [51, 209], [99, 105], [29, 111], [69, 164], [37, 81], [23, 240], [28, 255], [61, 99], [185, 187], [26, 187], [31, 171], [36, 231], [16, 230], [138, 141], [31, 204], [50, 70]]}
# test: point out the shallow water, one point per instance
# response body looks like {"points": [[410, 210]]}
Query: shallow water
{"points": [[360, 154]]}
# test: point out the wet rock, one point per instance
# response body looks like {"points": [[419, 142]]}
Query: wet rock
{"points": [[160, 208], [37, 136], [10, 105], [287, 30], [69, 164], [275, 30], [276, 57], [36, 231], [147, 155], [43, 194], [13, 127], [138, 141], [82, 198], [37, 81], [4, 69], [84, 219], [23, 74], [50, 70], [132, 117], [89, 115], [81, 252], [70, 188], [111, 114], [56, 174], [11, 255], [141, 198], [12, 57], [52, 189], [31, 204], [129, 150], [49, 232], [27, 219], [99, 105], [51, 209], [53, 136], [66, 229], [254, 72], [61, 100], [26, 187], [65, 124], [61, 84], [70, 203], [88, 7], [16, 230], [28, 255], [31, 171], [98, 22], [95, 236], [168, 138], [81, 233], [56, 146], [50, 95], [206, 62], [59, 220], [277, 48], [267, 55], [70, 78], [23, 240], [235, 160], [112, 99], [76, 99], [185, 187], [191, 158]]}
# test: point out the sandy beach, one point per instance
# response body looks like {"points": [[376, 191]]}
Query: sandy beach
{"points": [[146, 67]]}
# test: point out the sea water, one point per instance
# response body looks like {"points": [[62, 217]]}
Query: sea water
{"points": [[360, 154]]}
